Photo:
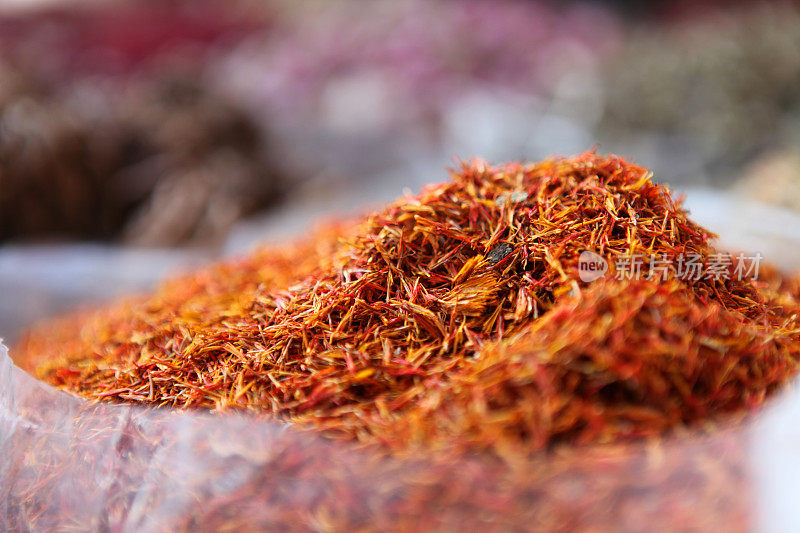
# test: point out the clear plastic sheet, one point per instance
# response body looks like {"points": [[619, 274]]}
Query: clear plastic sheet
{"points": [[67, 464]]}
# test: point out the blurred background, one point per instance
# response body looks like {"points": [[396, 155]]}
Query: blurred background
{"points": [[142, 138]]}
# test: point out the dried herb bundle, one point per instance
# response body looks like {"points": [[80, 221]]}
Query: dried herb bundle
{"points": [[456, 317]]}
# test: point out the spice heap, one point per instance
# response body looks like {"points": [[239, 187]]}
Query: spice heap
{"points": [[143, 161], [455, 318], [746, 52]]}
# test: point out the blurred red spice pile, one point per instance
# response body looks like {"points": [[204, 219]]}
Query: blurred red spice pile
{"points": [[353, 93]]}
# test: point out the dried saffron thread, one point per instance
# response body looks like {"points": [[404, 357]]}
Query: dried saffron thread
{"points": [[611, 364], [382, 331]]}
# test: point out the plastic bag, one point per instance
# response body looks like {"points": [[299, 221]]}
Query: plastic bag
{"points": [[67, 464]]}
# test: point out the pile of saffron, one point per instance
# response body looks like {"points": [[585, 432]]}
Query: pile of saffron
{"points": [[455, 318]]}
